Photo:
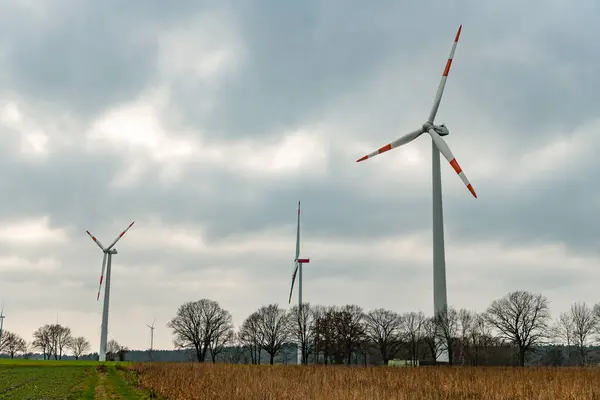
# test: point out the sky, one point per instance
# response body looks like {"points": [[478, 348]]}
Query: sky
{"points": [[206, 121]]}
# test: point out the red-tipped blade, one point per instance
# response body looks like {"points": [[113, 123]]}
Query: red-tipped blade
{"points": [[101, 275], [95, 240], [120, 235], [442, 146], [440, 91], [458, 33], [409, 137]]}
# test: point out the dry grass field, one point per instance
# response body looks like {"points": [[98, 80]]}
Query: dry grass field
{"points": [[223, 381]]}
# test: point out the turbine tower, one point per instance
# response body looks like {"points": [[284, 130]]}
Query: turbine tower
{"points": [[438, 145], [151, 337], [298, 269], [106, 263]]}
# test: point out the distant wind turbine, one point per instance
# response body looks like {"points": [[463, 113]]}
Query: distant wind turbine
{"points": [[298, 269], [151, 337], [108, 253], [1, 321]]}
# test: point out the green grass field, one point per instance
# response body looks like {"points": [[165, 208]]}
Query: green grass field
{"points": [[75, 380]]}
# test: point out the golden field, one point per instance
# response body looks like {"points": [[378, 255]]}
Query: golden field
{"points": [[226, 381]]}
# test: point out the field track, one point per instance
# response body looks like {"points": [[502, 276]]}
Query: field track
{"points": [[73, 380]]}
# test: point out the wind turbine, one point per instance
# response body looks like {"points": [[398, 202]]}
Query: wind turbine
{"points": [[108, 253], [298, 268], [438, 145], [1, 321], [151, 336]]}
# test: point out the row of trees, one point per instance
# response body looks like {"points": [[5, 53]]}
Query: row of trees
{"points": [[511, 328], [53, 340]]}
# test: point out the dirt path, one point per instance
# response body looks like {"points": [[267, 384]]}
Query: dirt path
{"points": [[100, 385]]}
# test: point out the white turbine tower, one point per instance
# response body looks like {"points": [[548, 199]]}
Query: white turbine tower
{"points": [[438, 145], [298, 269], [108, 253], [151, 337]]}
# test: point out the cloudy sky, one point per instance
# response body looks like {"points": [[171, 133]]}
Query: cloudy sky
{"points": [[206, 121]]}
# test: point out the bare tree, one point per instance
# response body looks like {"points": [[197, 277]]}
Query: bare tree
{"points": [[383, 327], [250, 337], [466, 320], [521, 318], [112, 350], [12, 344], [350, 329], [78, 346], [596, 312], [60, 337], [325, 336], [42, 341], [480, 336], [223, 336], [584, 323], [563, 331], [115, 351], [302, 328], [273, 325], [197, 323], [446, 323], [413, 331], [431, 338]]}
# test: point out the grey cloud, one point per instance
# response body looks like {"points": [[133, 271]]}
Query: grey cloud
{"points": [[366, 70]]}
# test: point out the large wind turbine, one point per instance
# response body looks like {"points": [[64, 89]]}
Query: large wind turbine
{"points": [[298, 268], [106, 263], [438, 145]]}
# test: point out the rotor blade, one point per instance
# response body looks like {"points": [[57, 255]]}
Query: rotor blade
{"points": [[409, 137], [298, 233], [95, 240], [293, 280], [445, 150], [440, 91], [101, 276], [120, 236]]}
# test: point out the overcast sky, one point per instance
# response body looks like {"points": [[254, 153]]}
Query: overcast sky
{"points": [[206, 121]]}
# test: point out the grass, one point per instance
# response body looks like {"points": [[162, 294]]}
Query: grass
{"points": [[222, 381], [74, 380]]}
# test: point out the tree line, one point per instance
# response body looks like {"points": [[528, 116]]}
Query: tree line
{"points": [[511, 328], [53, 340]]}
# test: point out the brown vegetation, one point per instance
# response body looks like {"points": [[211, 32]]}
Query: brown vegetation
{"points": [[224, 381]]}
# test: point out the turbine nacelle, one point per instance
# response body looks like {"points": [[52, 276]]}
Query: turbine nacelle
{"points": [[441, 129]]}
